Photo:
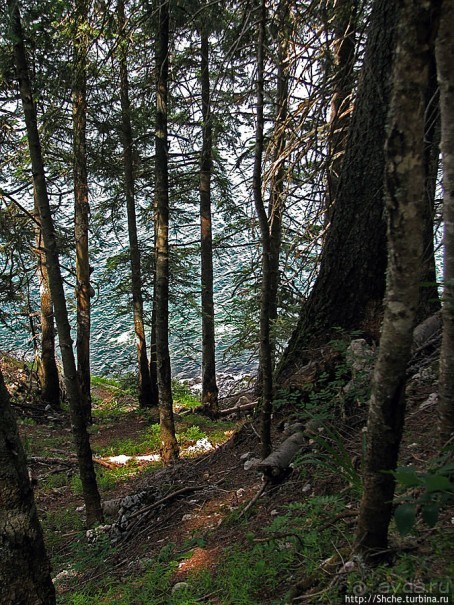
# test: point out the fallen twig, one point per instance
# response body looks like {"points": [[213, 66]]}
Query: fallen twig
{"points": [[254, 499]]}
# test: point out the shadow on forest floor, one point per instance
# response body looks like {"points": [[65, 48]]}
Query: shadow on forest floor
{"points": [[196, 543]]}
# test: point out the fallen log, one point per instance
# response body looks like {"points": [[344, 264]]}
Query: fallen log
{"points": [[276, 466], [205, 411], [238, 409]]}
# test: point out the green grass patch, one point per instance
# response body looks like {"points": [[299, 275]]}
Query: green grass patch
{"points": [[183, 396]]}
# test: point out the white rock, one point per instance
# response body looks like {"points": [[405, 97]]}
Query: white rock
{"points": [[179, 586]]}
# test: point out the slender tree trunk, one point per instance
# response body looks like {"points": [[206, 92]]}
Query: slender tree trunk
{"points": [[81, 205], [349, 288], [24, 564], [47, 365], [209, 386], [265, 354], [153, 358], [277, 181], [169, 446], [81, 437], [145, 391], [344, 44], [405, 180], [445, 62]]}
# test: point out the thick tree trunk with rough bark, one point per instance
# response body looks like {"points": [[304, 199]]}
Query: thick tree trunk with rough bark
{"points": [[24, 565], [429, 301], [405, 180], [209, 385], [47, 365], [445, 62], [349, 289], [169, 446], [145, 390], [344, 45], [81, 205], [81, 437]]}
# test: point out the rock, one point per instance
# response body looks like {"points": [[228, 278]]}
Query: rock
{"points": [[179, 586], [202, 445], [430, 401], [93, 534], [246, 456], [251, 463]]}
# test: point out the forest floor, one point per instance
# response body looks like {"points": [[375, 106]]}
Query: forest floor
{"points": [[206, 536]]}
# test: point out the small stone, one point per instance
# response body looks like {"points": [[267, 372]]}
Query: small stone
{"points": [[274, 513], [246, 456], [186, 517], [307, 488], [251, 463], [179, 586], [348, 566]]}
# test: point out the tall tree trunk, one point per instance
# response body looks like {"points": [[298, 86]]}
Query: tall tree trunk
{"points": [[265, 353], [429, 301], [145, 390], [405, 180], [153, 358], [344, 44], [349, 289], [81, 205], [47, 365], [169, 446], [24, 564], [209, 386], [81, 437], [277, 179], [445, 61]]}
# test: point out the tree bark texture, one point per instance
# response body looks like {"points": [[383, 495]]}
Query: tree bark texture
{"points": [[405, 180], [24, 564], [344, 45], [349, 289], [47, 365], [169, 446], [81, 437], [265, 352], [209, 385], [145, 390], [429, 301], [445, 62], [81, 204]]}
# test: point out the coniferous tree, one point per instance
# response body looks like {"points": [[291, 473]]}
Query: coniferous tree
{"points": [[169, 446], [81, 203], [47, 364], [349, 288], [81, 437], [146, 395], [265, 348], [345, 14], [209, 385]]}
